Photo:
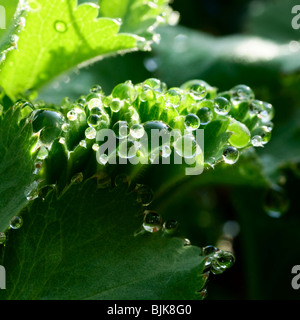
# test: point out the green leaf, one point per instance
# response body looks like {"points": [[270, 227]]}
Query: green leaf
{"points": [[60, 35], [137, 16], [277, 14], [222, 61], [16, 165], [82, 246]]}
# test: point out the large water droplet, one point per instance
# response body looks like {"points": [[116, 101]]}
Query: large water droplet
{"points": [[230, 155], [173, 97], [16, 222], [221, 261], [208, 250], [264, 132], [222, 106], [276, 202], [155, 85], [170, 226], [90, 133], [152, 221], [72, 115], [191, 122], [205, 115], [94, 103], [242, 93], [49, 123], [93, 120], [125, 91], [257, 141], [116, 105], [137, 131], [196, 89]]}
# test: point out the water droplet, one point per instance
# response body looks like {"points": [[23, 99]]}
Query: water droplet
{"points": [[240, 134], [49, 123], [93, 120], [196, 89], [60, 26], [208, 250], [65, 127], [102, 158], [125, 91], [128, 149], [186, 242], [264, 133], [152, 221], [2, 237], [121, 129], [90, 133], [137, 131], [116, 105], [16, 222], [203, 293], [191, 122], [257, 141], [187, 147], [221, 261], [170, 226], [96, 89], [95, 147], [166, 151], [72, 115], [62, 140], [205, 115], [155, 84], [269, 109], [173, 97], [222, 106], [144, 194], [230, 155], [43, 153], [211, 161], [256, 107], [242, 93], [31, 191], [276, 202], [94, 103], [82, 144]]}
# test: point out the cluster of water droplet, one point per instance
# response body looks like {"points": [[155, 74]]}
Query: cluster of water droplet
{"points": [[134, 111]]}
